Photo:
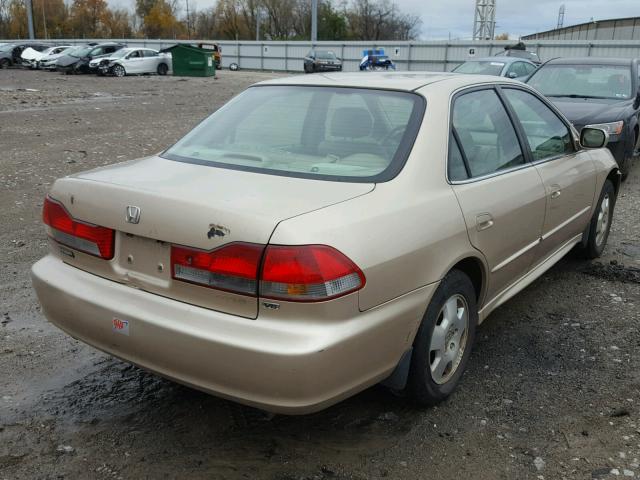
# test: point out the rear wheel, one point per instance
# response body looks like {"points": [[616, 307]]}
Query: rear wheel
{"points": [[163, 69], [444, 340], [5, 63], [600, 224], [119, 71]]}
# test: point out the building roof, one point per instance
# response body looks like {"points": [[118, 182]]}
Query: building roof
{"points": [[532, 36]]}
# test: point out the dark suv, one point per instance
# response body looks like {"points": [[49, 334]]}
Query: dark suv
{"points": [[77, 59]]}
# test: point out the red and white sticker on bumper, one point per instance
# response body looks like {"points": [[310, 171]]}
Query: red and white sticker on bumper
{"points": [[120, 326]]}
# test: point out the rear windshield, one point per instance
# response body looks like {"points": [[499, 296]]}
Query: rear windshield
{"points": [[343, 134], [325, 55], [588, 81], [480, 68]]}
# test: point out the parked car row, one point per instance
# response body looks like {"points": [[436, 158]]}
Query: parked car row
{"points": [[109, 58]]}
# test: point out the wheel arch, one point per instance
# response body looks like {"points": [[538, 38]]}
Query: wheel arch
{"points": [[616, 178], [475, 268]]}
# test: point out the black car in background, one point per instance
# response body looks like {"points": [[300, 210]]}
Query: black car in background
{"points": [[10, 53], [77, 59], [597, 92], [322, 61]]}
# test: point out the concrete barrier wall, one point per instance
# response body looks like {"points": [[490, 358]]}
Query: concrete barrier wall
{"points": [[432, 56]]}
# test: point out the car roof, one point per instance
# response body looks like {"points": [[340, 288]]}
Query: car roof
{"points": [[132, 49], [502, 59], [590, 61], [406, 81]]}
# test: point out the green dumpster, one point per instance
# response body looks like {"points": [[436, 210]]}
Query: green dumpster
{"points": [[190, 61]]}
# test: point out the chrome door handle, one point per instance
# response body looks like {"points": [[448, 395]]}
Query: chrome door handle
{"points": [[484, 221], [556, 193]]}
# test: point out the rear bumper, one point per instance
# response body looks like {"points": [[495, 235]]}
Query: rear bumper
{"points": [[281, 365]]}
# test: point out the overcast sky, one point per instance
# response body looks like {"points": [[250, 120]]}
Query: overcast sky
{"points": [[517, 17]]}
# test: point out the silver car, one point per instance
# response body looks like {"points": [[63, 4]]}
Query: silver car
{"points": [[133, 61], [509, 67]]}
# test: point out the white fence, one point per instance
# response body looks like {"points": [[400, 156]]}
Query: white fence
{"points": [[433, 56]]}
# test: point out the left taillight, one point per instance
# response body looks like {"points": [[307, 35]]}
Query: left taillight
{"points": [[233, 267], [85, 237]]}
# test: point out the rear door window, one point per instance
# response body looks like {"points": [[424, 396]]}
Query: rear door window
{"points": [[486, 134], [456, 167]]}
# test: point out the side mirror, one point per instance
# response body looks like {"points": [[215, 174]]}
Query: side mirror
{"points": [[593, 138], [636, 102], [512, 75]]}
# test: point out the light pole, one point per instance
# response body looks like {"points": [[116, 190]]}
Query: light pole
{"points": [[314, 20], [30, 19], [258, 18]]}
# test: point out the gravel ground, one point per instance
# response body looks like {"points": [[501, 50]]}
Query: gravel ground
{"points": [[552, 391]]}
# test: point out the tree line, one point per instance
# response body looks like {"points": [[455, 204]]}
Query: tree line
{"points": [[226, 20]]}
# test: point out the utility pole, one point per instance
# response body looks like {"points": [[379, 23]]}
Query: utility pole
{"points": [[30, 19], [44, 21], [258, 18], [314, 20], [484, 23], [188, 24]]}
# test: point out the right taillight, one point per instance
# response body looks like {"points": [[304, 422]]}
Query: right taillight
{"points": [[308, 273], [302, 273]]}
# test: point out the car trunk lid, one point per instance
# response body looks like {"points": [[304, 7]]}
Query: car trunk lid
{"points": [[185, 204]]}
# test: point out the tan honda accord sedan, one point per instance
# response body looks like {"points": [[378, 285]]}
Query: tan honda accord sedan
{"points": [[323, 233]]}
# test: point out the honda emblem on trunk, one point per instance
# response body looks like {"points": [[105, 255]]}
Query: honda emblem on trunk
{"points": [[133, 214]]}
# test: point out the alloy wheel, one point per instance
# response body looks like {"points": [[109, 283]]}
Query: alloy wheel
{"points": [[449, 339], [602, 224]]}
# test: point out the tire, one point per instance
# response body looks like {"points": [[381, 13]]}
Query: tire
{"points": [[600, 224], [119, 71], [162, 69], [628, 162], [625, 167], [5, 63], [428, 382]]}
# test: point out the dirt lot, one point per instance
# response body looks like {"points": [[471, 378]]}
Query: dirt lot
{"points": [[553, 389]]}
